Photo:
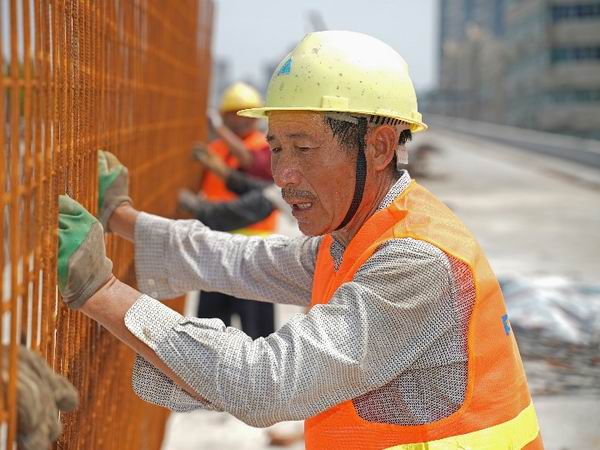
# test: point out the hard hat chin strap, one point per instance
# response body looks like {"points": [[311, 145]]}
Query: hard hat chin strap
{"points": [[361, 173]]}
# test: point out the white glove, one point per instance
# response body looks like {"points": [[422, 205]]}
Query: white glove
{"points": [[214, 118], [189, 201], [273, 194]]}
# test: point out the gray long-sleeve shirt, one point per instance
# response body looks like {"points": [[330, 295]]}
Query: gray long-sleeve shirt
{"points": [[393, 339]]}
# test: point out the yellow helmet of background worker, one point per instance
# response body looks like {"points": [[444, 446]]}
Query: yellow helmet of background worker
{"points": [[343, 71], [240, 96]]}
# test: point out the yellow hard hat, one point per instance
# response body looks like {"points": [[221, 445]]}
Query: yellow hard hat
{"points": [[240, 96], [343, 71]]}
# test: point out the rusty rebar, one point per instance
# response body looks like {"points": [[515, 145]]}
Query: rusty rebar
{"points": [[128, 77]]}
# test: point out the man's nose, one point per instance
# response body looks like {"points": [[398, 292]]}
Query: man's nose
{"points": [[285, 173]]}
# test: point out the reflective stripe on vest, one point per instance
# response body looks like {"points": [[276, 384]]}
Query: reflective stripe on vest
{"points": [[252, 232], [514, 434], [496, 393]]}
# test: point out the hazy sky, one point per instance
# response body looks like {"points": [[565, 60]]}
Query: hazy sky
{"points": [[250, 33]]}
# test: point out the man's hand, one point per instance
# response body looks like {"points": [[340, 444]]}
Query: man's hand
{"points": [[113, 189], [83, 267], [188, 201], [211, 161]]}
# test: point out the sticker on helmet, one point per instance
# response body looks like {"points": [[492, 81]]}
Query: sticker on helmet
{"points": [[286, 68], [506, 324]]}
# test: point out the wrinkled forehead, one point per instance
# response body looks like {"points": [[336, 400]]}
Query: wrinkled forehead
{"points": [[288, 124]]}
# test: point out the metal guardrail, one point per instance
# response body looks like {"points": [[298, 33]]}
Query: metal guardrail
{"points": [[582, 151]]}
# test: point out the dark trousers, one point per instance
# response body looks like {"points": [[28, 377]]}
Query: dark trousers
{"points": [[257, 317]]}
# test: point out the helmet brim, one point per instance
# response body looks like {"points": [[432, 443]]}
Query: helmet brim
{"points": [[262, 113]]}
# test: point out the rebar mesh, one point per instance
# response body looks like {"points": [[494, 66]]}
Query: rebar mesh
{"points": [[78, 75]]}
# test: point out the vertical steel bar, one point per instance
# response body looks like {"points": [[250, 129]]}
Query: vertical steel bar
{"points": [[27, 181], [14, 138], [4, 147], [38, 173]]}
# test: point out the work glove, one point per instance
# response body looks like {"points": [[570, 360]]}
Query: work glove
{"points": [[211, 161], [190, 202], [273, 194], [41, 394], [113, 189], [83, 267]]}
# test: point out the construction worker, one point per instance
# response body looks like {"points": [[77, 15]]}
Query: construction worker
{"points": [[407, 344], [256, 200], [240, 145]]}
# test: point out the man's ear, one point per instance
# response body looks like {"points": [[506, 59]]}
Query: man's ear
{"points": [[381, 146]]}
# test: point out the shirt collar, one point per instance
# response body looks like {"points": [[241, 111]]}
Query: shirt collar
{"points": [[337, 249]]}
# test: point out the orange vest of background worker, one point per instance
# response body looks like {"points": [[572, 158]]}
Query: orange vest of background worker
{"points": [[497, 412], [241, 146]]}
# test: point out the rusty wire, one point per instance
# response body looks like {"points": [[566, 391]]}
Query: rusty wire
{"points": [[77, 75]]}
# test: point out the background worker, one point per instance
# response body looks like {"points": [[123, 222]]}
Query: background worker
{"points": [[407, 343], [256, 200], [240, 145]]}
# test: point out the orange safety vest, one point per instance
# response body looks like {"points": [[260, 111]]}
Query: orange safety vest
{"points": [[497, 412], [215, 190]]}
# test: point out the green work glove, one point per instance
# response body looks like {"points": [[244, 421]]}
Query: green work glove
{"points": [[113, 189], [83, 267]]}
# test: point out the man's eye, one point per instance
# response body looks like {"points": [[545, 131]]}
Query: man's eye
{"points": [[304, 149], [275, 149]]}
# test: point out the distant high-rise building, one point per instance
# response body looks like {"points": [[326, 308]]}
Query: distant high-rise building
{"points": [[220, 79], [457, 15], [469, 34], [554, 65], [528, 63]]}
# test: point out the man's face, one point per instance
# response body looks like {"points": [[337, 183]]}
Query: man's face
{"points": [[241, 126], [315, 172]]}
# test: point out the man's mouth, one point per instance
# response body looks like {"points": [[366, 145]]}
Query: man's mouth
{"points": [[301, 206], [299, 200]]}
